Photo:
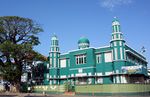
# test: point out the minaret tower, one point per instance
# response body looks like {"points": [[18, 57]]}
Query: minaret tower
{"points": [[117, 42], [54, 59]]}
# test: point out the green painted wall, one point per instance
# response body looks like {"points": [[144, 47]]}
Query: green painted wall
{"points": [[113, 88], [99, 89]]}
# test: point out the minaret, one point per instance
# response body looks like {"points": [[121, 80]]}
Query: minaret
{"points": [[117, 42], [54, 59], [54, 52]]}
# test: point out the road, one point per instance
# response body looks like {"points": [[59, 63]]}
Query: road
{"points": [[41, 95]]}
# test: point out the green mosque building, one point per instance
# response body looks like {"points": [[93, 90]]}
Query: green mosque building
{"points": [[115, 63]]}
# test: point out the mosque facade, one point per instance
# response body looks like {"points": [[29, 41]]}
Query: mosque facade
{"points": [[113, 64]]}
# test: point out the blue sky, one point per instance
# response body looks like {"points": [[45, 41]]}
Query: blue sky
{"points": [[72, 19]]}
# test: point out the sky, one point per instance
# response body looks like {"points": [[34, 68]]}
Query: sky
{"points": [[72, 19]]}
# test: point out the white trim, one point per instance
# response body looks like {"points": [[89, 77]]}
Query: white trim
{"points": [[119, 60], [117, 28], [117, 40], [117, 78], [112, 54], [84, 44], [81, 49], [136, 55], [103, 52], [54, 46], [108, 73], [89, 74], [135, 50], [117, 71], [48, 65], [115, 43], [85, 49], [123, 79], [121, 55], [81, 74], [115, 23], [54, 51], [120, 43], [82, 68], [63, 76], [99, 74], [64, 54], [114, 79], [116, 54], [116, 33], [115, 37], [58, 62], [50, 61], [54, 62], [119, 36], [53, 68], [54, 55], [47, 75], [114, 28], [72, 75], [125, 54], [50, 54]]}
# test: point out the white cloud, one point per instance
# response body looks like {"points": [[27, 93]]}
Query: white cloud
{"points": [[111, 4]]}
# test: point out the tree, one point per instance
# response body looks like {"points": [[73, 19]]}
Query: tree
{"points": [[18, 35]]}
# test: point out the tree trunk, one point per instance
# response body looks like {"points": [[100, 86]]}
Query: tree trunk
{"points": [[17, 87]]}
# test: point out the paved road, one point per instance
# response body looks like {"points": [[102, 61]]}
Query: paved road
{"points": [[41, 95]]}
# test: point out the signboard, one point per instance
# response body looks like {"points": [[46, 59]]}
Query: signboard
{"points": [[132, 69]]}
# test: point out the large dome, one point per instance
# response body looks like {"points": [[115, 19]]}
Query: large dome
{"points": [[83, 43], [83, 40]]}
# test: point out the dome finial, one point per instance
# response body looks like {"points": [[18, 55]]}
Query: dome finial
{"points": [[115, 17], [115, 21], [54, 36]]}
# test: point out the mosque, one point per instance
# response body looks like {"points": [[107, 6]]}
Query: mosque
{"points": [[115, 63]]}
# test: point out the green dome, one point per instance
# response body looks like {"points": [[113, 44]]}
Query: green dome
{"points": [[115, 20], [83, 40], [54, 37]]}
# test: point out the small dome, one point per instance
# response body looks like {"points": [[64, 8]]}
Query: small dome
{"points": [[54, 37], [115, 21], [83, 40]]}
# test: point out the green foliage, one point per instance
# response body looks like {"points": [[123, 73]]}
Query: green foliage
{"points": [[10, 72], [19, 30], [38, 56], [69, 87], [17, 37]]}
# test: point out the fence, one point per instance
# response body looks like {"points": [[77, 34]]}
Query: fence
{"points": [[101, 89], [56, 89], [113, 89]]}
